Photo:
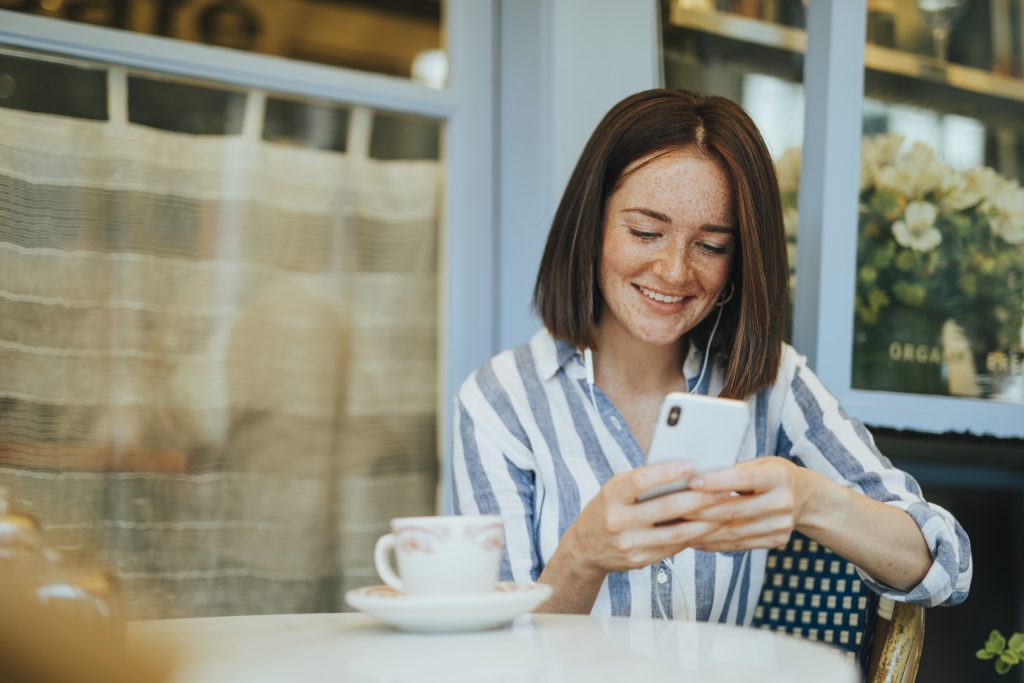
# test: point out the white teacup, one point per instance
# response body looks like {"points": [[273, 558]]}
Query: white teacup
{"points": [[442, 555]]}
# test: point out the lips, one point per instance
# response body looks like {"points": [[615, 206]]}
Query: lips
{"points": [[659, 297]]}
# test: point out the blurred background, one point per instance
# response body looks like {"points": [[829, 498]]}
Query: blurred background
{"points": [[249, 250]]}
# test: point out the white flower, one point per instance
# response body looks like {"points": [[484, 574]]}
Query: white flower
{"points": [[894, 179], [914, 174], [877, 152], [881, 150], [926, 168], [917, 229], [981, 183], [955, 193], [1009, 226], [1005, 205], [787, 168]]}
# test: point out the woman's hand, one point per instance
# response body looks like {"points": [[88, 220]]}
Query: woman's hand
{"points": [[615, 533], [772, 497]]}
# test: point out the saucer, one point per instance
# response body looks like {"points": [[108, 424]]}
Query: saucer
{"points": [[441, 613]]}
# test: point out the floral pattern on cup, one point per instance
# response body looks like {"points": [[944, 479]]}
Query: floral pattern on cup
{"points": [[487, 536], [423, 540], [442, 555]]}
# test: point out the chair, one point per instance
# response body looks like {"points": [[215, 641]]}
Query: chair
{"points": [[811, 592], [896, 652]]}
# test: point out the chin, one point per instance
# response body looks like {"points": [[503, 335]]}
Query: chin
{"points": [[659, 337]]}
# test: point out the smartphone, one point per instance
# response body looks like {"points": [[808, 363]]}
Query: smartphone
{"points": [[704, 430]]}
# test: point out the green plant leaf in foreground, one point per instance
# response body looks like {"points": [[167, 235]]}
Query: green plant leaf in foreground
{"points": [[996, 643], [1007, 654]]}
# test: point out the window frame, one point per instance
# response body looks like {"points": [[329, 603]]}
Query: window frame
{"points": [[827, 248]]}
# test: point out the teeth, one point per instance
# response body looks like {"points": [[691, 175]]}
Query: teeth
{"points": [[661, 297]]}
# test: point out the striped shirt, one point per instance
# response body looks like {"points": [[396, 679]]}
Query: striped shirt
{"points": [[532, 445]]}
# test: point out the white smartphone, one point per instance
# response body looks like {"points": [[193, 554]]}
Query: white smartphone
{"points": [[704, 430]]}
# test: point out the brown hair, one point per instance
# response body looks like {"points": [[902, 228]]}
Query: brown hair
{"points": [[748, 343]]}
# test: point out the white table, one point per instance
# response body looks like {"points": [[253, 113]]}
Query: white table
{"points": [[354, 648]]}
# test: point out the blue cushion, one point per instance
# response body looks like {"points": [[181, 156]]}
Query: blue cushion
{"points": [[811, 592]]}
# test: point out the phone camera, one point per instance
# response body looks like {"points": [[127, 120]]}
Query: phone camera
{"points": [[673, 415]]}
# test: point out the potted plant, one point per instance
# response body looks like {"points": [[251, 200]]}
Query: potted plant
{"points": [[939, 305]]}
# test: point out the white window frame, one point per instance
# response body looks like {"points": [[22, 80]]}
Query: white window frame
{"points": [[564, 63], [827, 248], [466, 107]]}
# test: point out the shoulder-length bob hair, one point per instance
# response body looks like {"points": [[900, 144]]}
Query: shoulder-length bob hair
{"points": [[748, 343]]}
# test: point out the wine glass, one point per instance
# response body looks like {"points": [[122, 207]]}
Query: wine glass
{"points": [[939, 15]]}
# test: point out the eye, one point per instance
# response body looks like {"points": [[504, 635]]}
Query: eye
{"points": [[644, 235], [713, 248]]}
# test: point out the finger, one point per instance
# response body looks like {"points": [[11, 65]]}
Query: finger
{"points": [[741, 507], [747, 476], [753, 543], [733, 534], [674, 536], [674, 506], [628, 486]]}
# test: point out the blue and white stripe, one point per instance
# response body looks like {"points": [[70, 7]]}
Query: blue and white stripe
{"points": [[532, 446]]}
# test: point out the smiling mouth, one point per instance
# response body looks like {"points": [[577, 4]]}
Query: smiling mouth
{"points": [[663, 298]]}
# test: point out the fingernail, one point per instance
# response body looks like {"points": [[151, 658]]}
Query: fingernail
{"points": [[682, 467]]}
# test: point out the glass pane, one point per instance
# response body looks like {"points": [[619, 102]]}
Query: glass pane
{"points": [[184, 107], [396, 37], [404, 137], [52, 88], [218, 337], [940, 293], [740, 51], [320, 126]]}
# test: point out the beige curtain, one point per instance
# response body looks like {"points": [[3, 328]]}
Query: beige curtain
{"points": [[218, 356]]}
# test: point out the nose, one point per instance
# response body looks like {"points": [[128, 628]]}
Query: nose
{"points": [[671, 266]]}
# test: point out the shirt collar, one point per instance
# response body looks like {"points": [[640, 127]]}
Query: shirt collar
{"points": [[553, 354]]}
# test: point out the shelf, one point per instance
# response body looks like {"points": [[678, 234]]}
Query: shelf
{"points": [[884, 61]]}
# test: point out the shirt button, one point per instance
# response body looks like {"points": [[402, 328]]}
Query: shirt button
{"points": [[661, 577]]}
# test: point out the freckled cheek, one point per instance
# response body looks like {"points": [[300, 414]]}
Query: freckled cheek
{"points": [[615, 268]]}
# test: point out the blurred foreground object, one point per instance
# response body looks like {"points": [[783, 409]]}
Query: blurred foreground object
{"points": [[60, 622]]}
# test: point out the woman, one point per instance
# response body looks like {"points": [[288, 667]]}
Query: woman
{"points": [[667, 252]]}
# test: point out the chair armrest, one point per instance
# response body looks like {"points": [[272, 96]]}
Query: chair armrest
{"points": [[896, 652]]}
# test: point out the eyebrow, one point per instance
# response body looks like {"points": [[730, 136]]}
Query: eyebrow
{"points": [[662, 218], [650, 213]]}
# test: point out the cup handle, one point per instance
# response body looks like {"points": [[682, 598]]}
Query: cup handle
{"points": [[385, 546]]}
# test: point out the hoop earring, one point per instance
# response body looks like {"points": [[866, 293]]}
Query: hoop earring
{"points": [[728, 298]]}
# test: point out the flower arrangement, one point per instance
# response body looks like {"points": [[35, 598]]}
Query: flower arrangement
{"points": [[935, 243]]}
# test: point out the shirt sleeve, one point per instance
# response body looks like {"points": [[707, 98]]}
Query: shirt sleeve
{"points": [[494, 471], [818, 434]]}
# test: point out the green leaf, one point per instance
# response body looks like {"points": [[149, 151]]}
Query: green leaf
{"points": [[996, 643], [1016, 643], [1001, 666], [1010, 657], [887, 203], [984, 654]]}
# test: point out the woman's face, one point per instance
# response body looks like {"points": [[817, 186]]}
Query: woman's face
{"points": [[670, 232]]}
